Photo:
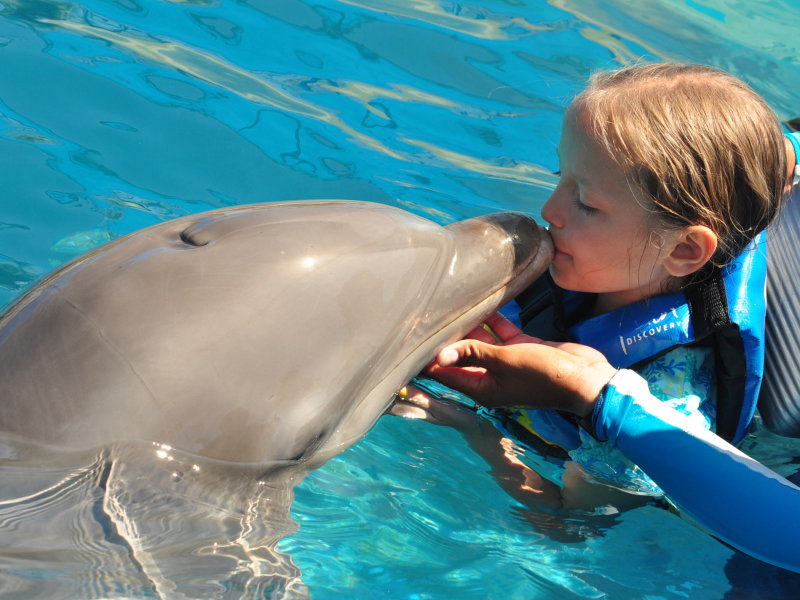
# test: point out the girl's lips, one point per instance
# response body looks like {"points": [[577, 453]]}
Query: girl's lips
{"points": [[559, 256], [557, 250]]}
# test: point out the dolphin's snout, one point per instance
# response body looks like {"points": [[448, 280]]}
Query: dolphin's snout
{"points": [[531, 242], [532, 249], [514, 251]]}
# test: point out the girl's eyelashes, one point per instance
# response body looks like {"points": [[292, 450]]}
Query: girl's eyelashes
{"points": [[585, 208], [557, 173]]}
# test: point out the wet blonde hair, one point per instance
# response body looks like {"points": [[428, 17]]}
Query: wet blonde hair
{"points": [[701, 146]]}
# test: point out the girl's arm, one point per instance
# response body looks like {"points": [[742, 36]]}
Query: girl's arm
{"points": [[731, 495], [792, 142], [500, 453]]}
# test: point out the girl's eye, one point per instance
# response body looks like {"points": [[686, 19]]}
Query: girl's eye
{"points": [[557, 173], [585, 208]]}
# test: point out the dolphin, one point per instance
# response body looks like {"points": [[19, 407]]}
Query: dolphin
{"points": [[168, 390], [267, 334]]}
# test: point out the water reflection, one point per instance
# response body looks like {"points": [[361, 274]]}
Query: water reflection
{"points": [[142, 521]]}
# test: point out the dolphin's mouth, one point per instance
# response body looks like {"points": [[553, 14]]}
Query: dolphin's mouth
{"points": [[523, 235], [531, 246], [536, 264]]}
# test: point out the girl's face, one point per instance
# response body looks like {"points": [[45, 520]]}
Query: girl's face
{"points": [[604, 239]]}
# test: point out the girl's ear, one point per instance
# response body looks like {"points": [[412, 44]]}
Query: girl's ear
{"points": [[693, 247]]}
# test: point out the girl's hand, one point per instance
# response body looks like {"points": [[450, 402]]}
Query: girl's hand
{"points": [[414, 403], [522, 371]]}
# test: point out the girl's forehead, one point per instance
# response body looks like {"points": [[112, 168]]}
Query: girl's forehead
{"points": [[584, 124], [578, 140], [579, 125], [577, 115]]}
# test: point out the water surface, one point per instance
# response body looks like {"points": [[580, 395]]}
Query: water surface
{"points": [[115, 115]]}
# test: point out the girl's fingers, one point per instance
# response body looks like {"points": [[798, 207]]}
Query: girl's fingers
{"points": [[504, 328], [482, 334]]}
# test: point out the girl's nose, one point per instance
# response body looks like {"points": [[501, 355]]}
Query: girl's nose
{"points": [[550, 211]]}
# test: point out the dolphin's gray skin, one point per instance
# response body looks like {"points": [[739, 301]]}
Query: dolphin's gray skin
{"points": [[151, 388], [257, 334]]}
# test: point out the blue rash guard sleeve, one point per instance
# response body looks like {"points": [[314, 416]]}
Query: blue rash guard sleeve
{"points": [[794, 138], [729, 494]]}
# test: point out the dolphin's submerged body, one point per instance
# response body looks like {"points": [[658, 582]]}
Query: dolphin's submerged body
{"points": [[269, 336]]}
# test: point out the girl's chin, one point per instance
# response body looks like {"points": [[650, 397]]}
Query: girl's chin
{"points": [[566, 280], [557, 274], [560, 268]]}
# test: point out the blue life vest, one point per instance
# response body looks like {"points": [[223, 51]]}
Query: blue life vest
{"points": [[726, 312]]}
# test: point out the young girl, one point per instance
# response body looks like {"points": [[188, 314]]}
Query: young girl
{"points": [[668, 175]]}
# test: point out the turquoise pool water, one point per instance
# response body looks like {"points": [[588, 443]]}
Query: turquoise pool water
{"points": [[115, 115]]}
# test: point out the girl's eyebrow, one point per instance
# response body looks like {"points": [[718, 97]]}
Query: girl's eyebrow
{"points": [[577, 177]]}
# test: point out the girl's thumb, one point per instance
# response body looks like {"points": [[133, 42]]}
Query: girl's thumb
{"points": [[467, 353]]}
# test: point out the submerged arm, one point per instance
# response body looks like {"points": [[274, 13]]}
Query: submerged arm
{"points": [[731, 495]]}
